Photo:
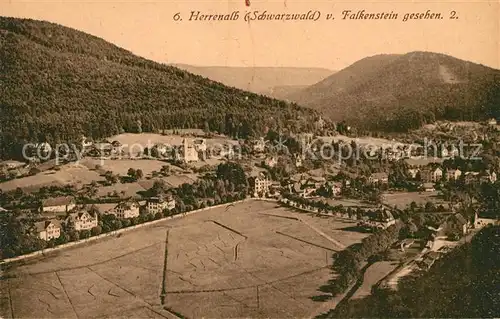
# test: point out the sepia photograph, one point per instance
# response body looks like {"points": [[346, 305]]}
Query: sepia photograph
{"points": [[249, 159]]}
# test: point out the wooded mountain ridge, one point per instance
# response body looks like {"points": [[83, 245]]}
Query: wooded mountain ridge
{"points": [[59, 83], [397, 92]]}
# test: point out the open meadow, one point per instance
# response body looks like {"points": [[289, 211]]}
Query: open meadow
{"points": [[252, 259], [404, 199], [363, 140], [68, 174], [149, 139], [121, 166], [125, 190], [346, 202]]}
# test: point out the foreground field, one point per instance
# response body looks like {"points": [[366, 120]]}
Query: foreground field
{"points": [[246, 260]]}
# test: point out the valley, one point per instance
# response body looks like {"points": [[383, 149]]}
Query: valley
{"points": [[230, 189]]}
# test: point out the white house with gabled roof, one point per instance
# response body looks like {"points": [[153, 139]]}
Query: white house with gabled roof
{"points": [[158, 204], [126, 209], [453, 174], [82, 220], [48, 229]]}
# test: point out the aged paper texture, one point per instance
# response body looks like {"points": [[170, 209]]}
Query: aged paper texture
{"points": [[249, 158]]}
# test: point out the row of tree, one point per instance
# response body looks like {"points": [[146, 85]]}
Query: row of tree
{"points": [[69, 98], [348, 263], [462, 284]]}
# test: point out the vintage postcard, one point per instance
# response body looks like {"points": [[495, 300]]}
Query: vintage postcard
{"points": [[249, 159]]}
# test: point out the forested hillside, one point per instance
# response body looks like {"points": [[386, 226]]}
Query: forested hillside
{"points": [[401, 92], [343, 80], [58, 83]]}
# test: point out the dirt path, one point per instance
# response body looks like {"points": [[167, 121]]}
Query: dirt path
{"points": [[305, 241], [6, 307], [330, 239], [165, 270], [330, 304], [66, 294], [342, 298], [228, 228], [372, 276]]}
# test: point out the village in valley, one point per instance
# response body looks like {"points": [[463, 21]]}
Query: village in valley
{"points": [[429, 198], [78, 190]]}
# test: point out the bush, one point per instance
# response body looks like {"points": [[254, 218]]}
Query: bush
{"points": [[158, 216], [348, 262], [118, 224], [166, 213], [8, 253], [453, 236], [126, 223], [96, 231], [106, 228], [62, 239], [84, 234], [134, 221], [74, 235]]}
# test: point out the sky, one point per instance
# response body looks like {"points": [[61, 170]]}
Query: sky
{"points": [[147, 28]]}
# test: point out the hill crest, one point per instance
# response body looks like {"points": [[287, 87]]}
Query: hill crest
{"points": [[59, 83], [399, 92], [260, 80]]}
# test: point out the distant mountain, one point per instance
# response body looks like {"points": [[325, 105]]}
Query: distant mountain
{"points": [[344, 79], [399, 92], [58, 83], [261, 80]]}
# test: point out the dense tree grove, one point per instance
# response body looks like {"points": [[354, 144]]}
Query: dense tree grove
{"points": [[229, 184], [58, 83], [348, 263], [14, 237]]}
